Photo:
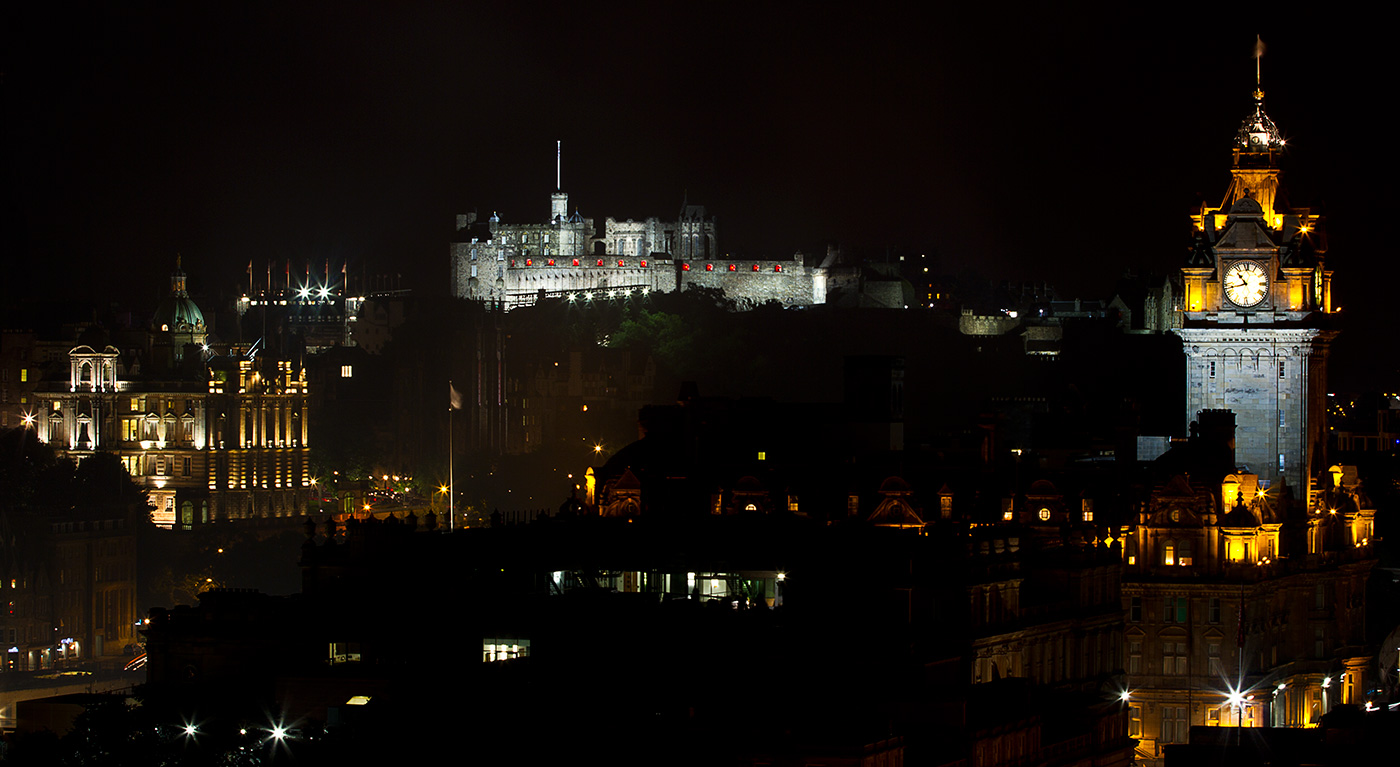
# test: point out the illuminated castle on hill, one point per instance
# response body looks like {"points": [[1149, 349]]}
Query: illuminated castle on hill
{"points": [[514, 265]]}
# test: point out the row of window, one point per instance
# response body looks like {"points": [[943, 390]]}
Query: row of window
{"points": [[1175, 658], [1174, 610], [1282, 368]]}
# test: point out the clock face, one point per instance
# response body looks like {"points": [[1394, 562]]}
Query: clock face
{"points": [[1246, 284]]}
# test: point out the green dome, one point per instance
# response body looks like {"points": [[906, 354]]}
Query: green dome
{"points": [[177, 313]]}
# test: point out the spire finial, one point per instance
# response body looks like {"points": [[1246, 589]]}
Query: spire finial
{"points": [[1258, 54], [558, 166]]}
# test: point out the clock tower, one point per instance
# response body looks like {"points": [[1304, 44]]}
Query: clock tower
{"points": [[1255, 330]]}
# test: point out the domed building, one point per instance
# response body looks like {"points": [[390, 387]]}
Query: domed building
{"points": [[178, 321], [212, 431]]}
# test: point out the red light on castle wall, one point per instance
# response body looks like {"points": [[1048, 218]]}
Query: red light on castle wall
{"points": [[620, 262], [575, 262], [755, 267], [733, 268], [512, 262], [551, 262], [644, 264], [685, 267], [709, 267], [600, 262], [777, 267], [529, 262]]}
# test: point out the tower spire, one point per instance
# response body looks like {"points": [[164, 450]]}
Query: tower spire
{"points": [[1258, 54], [558, 166]]}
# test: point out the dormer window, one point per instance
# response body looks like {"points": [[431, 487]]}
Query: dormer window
{"points": [[1044, 515]]}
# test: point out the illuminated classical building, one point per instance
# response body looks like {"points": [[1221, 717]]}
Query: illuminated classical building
{"points": [[1246, 568], [210, 435]]}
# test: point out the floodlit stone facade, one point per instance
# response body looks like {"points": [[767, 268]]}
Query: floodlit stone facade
{"points": [[515, 265]]}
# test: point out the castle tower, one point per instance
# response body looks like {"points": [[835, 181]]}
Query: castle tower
{"points": [[559, 201], [1256, 304]]}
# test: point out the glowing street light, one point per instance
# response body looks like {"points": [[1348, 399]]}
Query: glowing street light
{"points": [[1125, 696]]}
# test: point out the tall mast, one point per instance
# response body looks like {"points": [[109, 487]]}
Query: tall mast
{"points": [[558, 166]]}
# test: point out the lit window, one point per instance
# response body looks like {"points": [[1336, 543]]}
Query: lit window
{"points": [[762, 455], [751, 507], [504, 649], [1006, 516], [1044, 515], [23, 374], [347, 371], [1169, 553], [1088, 516]]}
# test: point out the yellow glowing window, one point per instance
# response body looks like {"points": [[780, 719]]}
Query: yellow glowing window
{"points": [[762, 456]]}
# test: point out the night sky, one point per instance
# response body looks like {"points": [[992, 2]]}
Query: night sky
{"points": [[1037, 144]]}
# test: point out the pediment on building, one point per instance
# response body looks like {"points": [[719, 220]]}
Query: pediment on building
{"points": [[1246, 234], [1174, 632], [1213, 633], [896, 512], [1178, 486], [627, 482], [1135, 633]]}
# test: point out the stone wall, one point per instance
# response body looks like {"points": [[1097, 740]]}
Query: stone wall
{"points": [[518, 281], [1271, 380]]}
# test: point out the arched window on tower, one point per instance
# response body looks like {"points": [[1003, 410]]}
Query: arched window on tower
{"points": [[1168, 552]]}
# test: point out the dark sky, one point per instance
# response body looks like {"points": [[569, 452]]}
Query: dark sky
{"points": [[1038, 144]]}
